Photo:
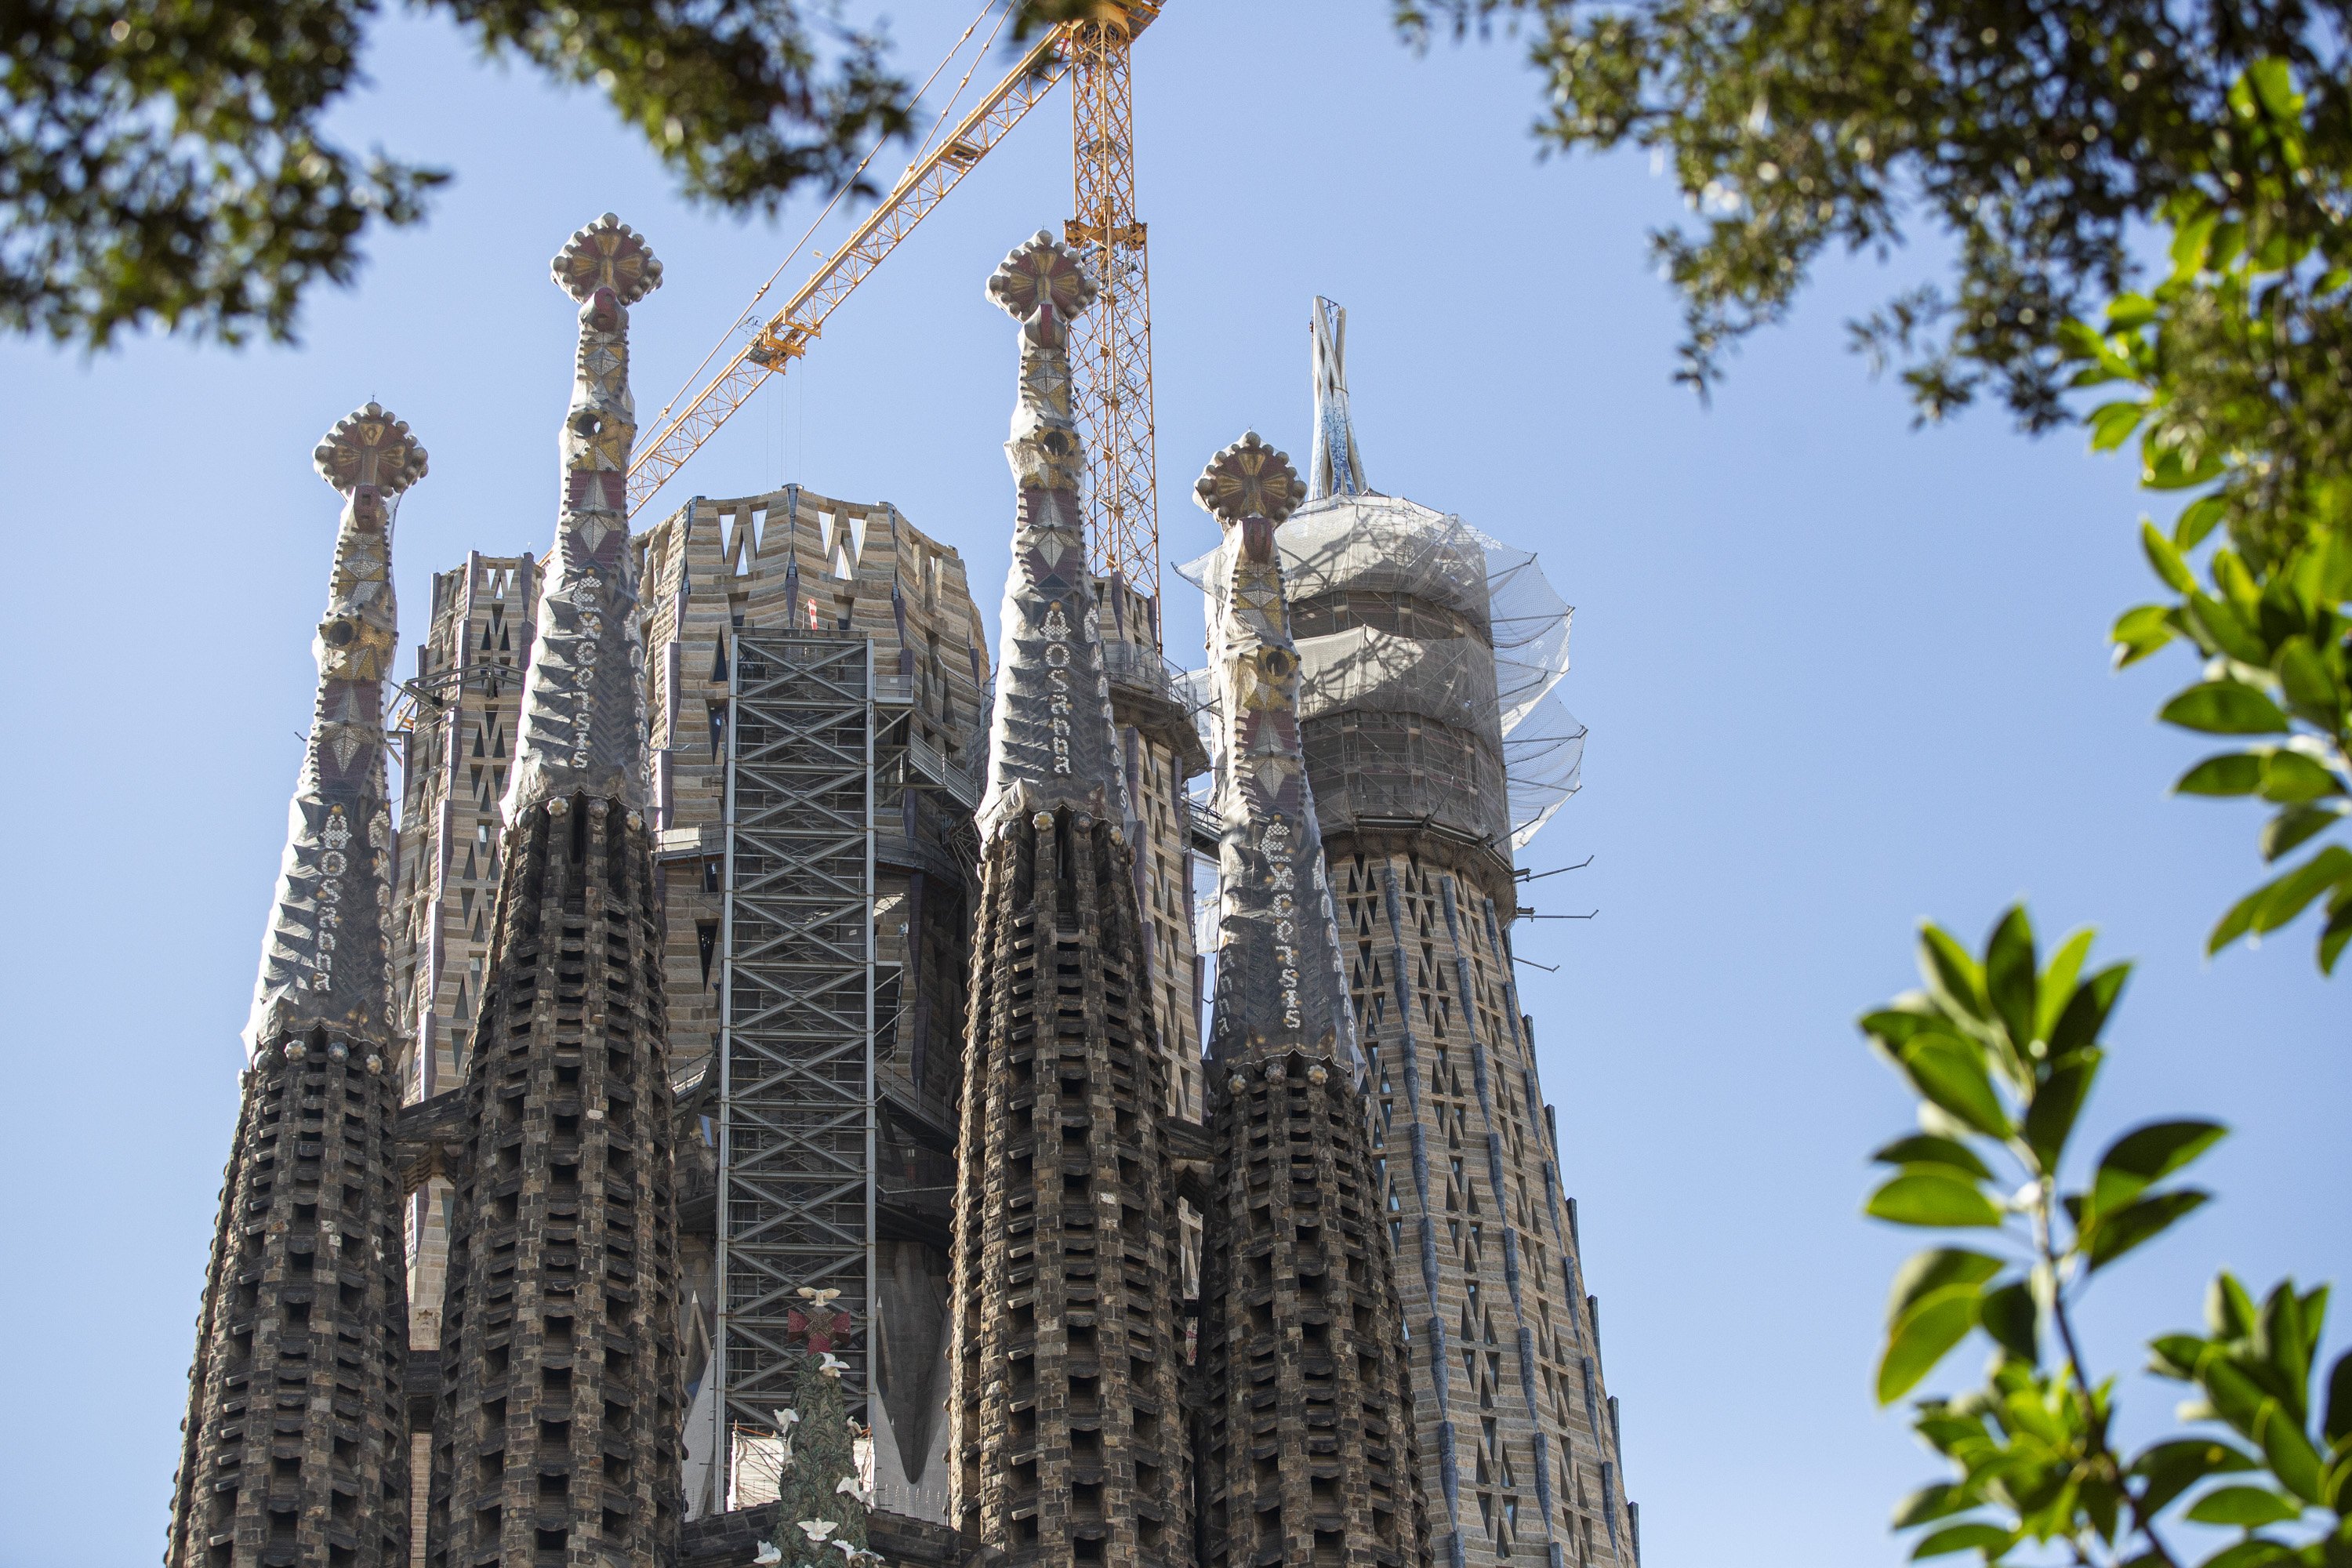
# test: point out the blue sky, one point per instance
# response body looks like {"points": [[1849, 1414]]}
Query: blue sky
{"points": [[1840, 675]]}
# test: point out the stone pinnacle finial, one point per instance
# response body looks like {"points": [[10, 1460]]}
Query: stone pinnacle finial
{"points": [[368, 446], [1040, 271], [607, 254], [1249, 479]]}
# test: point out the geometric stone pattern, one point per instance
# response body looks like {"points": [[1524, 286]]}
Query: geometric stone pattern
{"points": [[1308, 1443], [297, 1437], [556, 1439], [1070, 1433], [1070, 1429], [296, 1447], [1518, 1441], [456, 755]]}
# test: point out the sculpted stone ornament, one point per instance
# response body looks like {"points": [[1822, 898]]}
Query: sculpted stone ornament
{"points": [[1249, 479], [328, 954], [584, 711], [321, 1027], [1053, 743]]}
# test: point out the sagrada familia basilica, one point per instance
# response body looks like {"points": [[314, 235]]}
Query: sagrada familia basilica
{"points": [[752, 982]]}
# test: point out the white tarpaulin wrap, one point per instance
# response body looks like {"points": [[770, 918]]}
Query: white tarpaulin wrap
{"points": [[1394, 605]]}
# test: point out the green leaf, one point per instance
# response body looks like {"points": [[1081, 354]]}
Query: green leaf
{"points": [[1927, 1198], [1991, 1538], [2050, 1119], [2128, 312], [2227, 627], [2145, 1156], [2311, 690], [2139, 632], [2196, 521], [2338, 1426], [2190, 239], [2165, 560], [1940, 1500], [2289, 830], [1926, 1149], [2289, 778], [2255, 1551], [2011, 1316], [1924, 1273], [2335, 933], [2289, 895], [2009, 967], [2086, 1011], [1950, 1072], [2225, 708], [2114, 1233], [2112, 423], [1936, 1323], [2248, 1506], [2171, 1467], [2228, 1310], [2226, 774], [2057, 987], [2274, 87], [1951, 973]]}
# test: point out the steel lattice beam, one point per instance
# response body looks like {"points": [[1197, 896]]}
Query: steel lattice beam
{"points": [[796, 1090]]}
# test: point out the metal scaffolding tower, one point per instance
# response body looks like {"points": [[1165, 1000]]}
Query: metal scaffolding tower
{"points": [[796, 1046]]}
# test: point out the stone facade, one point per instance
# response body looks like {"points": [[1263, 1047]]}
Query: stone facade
{"points": [[1308, 1442], [296, 1447], [1518, 1438], [556, 1436], [1069, 1423]]}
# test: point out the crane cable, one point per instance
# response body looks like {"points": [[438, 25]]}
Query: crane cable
{"points": [[694, 377]]}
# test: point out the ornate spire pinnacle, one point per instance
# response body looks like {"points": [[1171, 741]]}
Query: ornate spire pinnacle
{"points": [[325, 958], [1336, 467], [1053, 739], [583, 723], [1280, 987]]}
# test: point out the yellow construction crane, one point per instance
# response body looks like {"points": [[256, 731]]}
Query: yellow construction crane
{"points": [[1112, 357]]}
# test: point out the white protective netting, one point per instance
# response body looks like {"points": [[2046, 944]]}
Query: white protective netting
{"points": [[1400, 601]]}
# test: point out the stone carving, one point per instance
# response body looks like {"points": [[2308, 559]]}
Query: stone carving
{"points": [[583, 718]]}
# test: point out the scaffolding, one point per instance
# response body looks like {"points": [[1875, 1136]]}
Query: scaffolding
{"points": [[1429, 652], [797, 1134]]}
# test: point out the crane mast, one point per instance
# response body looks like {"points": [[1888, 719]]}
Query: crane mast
{"points": [[1111, 356]]}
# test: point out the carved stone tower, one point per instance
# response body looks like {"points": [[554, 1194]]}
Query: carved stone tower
{"points": [[556, 1440], [297, 1449], [1069, 1429], [1401, 721], [1309, 1455]]}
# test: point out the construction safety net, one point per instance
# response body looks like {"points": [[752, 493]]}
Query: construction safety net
{"points": [[1430, 651]]}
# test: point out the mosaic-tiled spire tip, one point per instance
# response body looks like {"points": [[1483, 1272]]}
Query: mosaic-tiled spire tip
{"points": [[583, 717], [1335, 466], [1053, 743], [326, 957]]}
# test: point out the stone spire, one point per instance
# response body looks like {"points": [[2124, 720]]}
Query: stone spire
{"points": [[557, 1435], [582, 720], [326, 959], [1052, 743], [296, 1447], [1336, 468], [1280, 987], [1069, 1432], [1310, 1453]]}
